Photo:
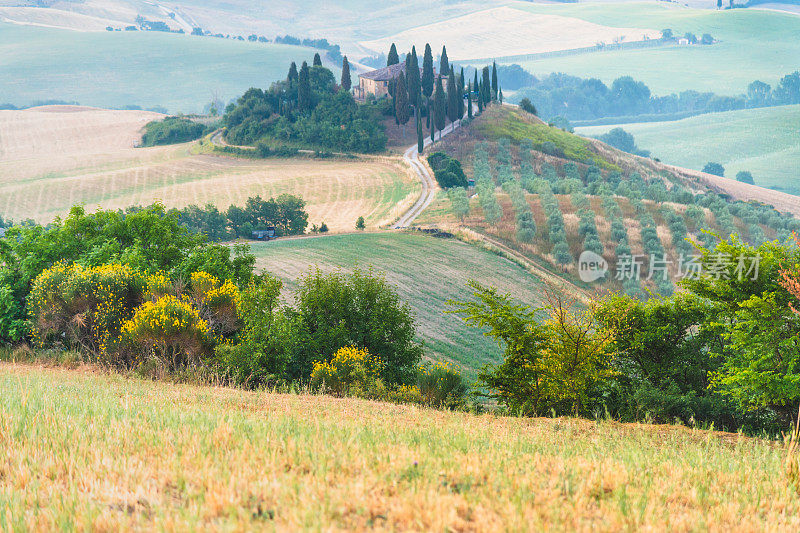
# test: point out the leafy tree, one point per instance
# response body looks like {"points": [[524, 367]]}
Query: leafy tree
{"points": [[172, 130], [666, 34], [759, 92], [358, 309], [552, 364], [360, 224], [745, 177], [317, 60], [760, 355], [346, 81], [706, 39], [691, 37], [427, 72], [622, 140], [304, 89], [526, 105], [392, 58], [444, 63], [714, 168], [788, 89]]}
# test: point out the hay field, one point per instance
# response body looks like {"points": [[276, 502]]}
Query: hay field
{"points": [[55, 157], [754, 44], [505, 31], [90, 451], [764, 141], [427, 273]]}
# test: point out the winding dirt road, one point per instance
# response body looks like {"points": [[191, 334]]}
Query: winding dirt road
{"points": [[411, 156]]}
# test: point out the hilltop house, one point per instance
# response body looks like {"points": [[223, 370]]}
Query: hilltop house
{"points": [[376, 83]]}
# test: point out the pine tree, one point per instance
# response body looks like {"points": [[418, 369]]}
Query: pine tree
{"points": [[494, 81], [439, 107], [420, 137], [292, 77], [487, 87], [427, 72], [317, 60], [346, 81], [304, 89], [452, 98], [393, 58], [469, 101], [444, 63], [401, 103]]}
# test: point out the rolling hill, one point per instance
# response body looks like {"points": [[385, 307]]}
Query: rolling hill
{"points": [[754, 44], [116, 69], [764, 141], [54, 157], [427, 273]]}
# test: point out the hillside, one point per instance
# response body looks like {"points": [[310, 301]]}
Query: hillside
{"points": [[580, 194], [94, 163], [764, 141], [754, 44], [427, 273], [115, 69], [152, 455]]}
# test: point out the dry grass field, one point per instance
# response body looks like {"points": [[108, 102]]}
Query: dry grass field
{"points": [[505, 31], [82, 450], [57, 18], [52, 158]]}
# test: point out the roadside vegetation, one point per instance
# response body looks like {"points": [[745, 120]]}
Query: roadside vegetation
{"points": [[173, 130]]}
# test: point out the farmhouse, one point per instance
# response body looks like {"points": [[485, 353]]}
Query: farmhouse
{"points": [[376, 83]]}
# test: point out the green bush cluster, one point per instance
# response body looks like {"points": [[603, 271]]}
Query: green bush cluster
{"points": [[492, 212], [525, 225], [447, 170], [459, 202], [173, 130]]}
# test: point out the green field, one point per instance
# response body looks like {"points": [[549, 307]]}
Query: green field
{"points": [[114, 69], [764, 141], [86, 451], [427, 272], [755, 44]]}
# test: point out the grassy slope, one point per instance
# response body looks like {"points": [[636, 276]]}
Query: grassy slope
{"points": [[756, 44], [90, 451], [105, 69], [764, 141], [427, 272]]}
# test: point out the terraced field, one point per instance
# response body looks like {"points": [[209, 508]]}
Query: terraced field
{"points": [[427, 272], [55, 157]]}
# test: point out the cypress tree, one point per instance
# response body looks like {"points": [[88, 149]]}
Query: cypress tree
{"points": [[420, 138], [304, 89], [495, 86], [444, 63], [346, 81], [439, 107], [469, 101], [292, 77], [479, 97], [317, 60], [427, 72], [431, 121], [452, 98], [501, 95], [486, 87], [401, 103], [393, 58], [412, 77], [460, 87]]}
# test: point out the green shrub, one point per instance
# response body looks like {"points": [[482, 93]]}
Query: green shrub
{"points": [[172, 130], [441, 385], [350, 372]]}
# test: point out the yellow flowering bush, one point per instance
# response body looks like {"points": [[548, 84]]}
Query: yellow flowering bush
{"points": [[84, 307], [217, 302], [351, 371], [158, 285], [441, 385], [169, 330]]}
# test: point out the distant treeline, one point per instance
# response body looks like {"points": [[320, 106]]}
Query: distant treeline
{"points": [[581, 99]]}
